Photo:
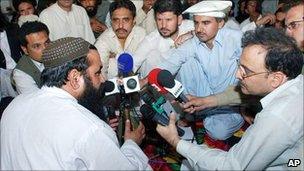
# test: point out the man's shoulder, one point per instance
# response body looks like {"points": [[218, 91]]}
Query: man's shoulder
{"points": [[51, 10], [77, 9], [139, 31], [153, 36]]}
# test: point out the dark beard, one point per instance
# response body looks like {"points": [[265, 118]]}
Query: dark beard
{"points": [[91, 12], [171, 34], [92, 98]]}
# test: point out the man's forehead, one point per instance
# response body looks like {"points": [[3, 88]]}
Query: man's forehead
{"points": [[295, 13]]}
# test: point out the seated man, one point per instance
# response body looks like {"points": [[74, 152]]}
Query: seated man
{"points": [[155, 46], [123, 36], [270, 66], [49, 130], [33, 37], [209, 63], [65, 19]]}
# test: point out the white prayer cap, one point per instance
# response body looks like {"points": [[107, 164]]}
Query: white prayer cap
{"points": [[212, 8], [27, 18]]}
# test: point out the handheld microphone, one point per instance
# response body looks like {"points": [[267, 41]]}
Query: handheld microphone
{"points": [[109, 86], [149, 114], [125, 65], [125, 69], [152, 80], [166, 80]]}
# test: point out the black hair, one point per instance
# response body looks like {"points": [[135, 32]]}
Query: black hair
{"points": [[16, 3], [258, 5], [122, 4], [58, 76], [29, 28], [174, 6], [282, 51], [291, 4]]}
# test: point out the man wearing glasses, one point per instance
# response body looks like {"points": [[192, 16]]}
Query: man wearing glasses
{"points": [[270, 66], [294, 25], [294, 22]]}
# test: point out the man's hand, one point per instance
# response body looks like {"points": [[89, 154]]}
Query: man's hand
{"points": [[169, 133], [266, 19], [182, 38], [143, 82], [114, 123], [147, 5], [137, 135], [97, 26], [199, 103]]}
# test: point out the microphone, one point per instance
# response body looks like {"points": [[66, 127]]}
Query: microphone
{"points": [[152, 80], [163, 120], [125, 65], [109, 86], [125, 69], [166, 80]]}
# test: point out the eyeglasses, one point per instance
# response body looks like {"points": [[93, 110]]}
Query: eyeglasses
{"points": [[292, 25], [245, 72]]}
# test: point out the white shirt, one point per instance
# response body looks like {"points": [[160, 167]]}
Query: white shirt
{"points": [[147, 21], [4, 46], [49, 130], [232, 23], [248, 25], [108, 42], [24, 82], [275, 137], [153, 48], [74, 23]]}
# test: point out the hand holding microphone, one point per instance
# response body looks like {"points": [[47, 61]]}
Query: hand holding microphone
{"points": [[160, 118], [169, 132]]}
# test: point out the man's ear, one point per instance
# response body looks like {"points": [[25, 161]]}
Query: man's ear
{"points": [[277, 79], [24, 50], [180, 20], [75, 79], [221, 24]]}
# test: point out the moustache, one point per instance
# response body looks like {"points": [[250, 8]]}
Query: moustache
{"points": [[164, 29], [120, 30]]}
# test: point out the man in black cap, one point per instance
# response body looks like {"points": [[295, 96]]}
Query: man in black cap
{"points": [[50, 130]]}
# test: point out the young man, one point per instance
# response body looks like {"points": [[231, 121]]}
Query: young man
{"points": [[214, 57], [65, 19], [33, 36], [270, 66], [170, 25], [50, 130], [124, 36]]}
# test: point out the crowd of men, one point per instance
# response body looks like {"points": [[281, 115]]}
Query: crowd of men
{"points": [[55, 60]]}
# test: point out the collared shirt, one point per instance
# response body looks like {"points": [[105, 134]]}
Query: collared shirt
{"points": [[149, 53], [217, 65], [275, 137], [24, 82], [61, 23], [5, 48], [108, 43], [49, 130]]}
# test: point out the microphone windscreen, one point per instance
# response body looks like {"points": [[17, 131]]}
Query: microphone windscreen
{"points": [[152, 80], [109, 86], [165, 79], [125, 63], [147, 112]]}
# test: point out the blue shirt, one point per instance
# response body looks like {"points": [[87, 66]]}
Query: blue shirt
{"points": [[205, 71]]}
